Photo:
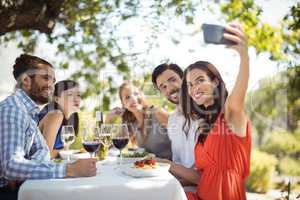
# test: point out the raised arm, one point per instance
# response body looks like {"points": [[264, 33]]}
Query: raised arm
{"points": [[235, 105]]}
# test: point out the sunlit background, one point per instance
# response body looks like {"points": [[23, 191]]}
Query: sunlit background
{"points": [[101, 49]]}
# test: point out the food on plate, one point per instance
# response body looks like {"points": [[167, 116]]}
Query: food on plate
{"points": [[146, 164], [135, 155]]}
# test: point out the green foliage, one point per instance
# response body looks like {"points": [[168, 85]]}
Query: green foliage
{"points": [[295, 15], [260, 112], [278, 40], [77, 144], [282, 144], [262, 168], [289, 166], [260, 35], [292, 74], [292, 22], [282, 94], [87, 32], [297, 131]]}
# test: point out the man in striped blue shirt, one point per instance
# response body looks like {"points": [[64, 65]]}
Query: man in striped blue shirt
{"points": [[23, 151]]}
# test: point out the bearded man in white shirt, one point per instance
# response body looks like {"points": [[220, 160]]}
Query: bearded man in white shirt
{"points": [[167, 79]]}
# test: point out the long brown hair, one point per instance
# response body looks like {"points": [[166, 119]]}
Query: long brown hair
{"points": [[128, 117], [192, 110]]}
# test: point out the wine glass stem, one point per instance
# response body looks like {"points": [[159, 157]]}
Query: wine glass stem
{"points": [[68, 155], [121, 158]]}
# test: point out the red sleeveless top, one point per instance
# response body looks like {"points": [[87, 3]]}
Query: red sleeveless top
{"points": [[224, 162]]}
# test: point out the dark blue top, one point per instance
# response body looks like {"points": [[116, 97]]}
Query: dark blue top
{"points": [[58, 144]]}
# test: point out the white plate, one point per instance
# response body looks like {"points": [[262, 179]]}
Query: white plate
{"points": [[77, 156], [160, 170], [139, 150], [65, 153]]}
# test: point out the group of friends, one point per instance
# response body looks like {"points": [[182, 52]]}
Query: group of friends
{"points": [[206, 140]]}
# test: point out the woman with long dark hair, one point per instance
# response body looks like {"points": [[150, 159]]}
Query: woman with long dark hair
{"points": [[61, 111], [146, 123], [222, 153]]}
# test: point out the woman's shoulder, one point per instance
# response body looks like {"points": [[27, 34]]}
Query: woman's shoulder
{"points": [[53, 118], [238, 126], [54, 115], [47, 109]]}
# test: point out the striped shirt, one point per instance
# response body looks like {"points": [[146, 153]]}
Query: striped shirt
{"points": [[24, 153]]}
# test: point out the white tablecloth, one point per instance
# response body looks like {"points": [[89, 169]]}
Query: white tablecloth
{"points": [[109, 184]]}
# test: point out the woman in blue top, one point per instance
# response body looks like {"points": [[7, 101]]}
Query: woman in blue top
{"points": [[61, 111]]}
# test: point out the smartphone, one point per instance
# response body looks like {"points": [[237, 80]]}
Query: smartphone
{"points": [[214, 34]]}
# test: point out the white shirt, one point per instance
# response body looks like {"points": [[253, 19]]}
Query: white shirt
{"points": [[182, 145]]}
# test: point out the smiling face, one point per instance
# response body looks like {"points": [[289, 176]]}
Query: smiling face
{"points": [[39, 84], [201, 87], [169, 83], [69, 100], [131, 98]]}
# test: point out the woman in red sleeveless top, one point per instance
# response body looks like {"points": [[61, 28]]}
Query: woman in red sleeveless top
{"points": [[222, 153]]}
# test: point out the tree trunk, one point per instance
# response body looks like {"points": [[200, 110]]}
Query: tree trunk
{"points": [[30, 15]]}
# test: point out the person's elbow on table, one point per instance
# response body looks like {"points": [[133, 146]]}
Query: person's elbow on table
{"points": [[82, 167]]}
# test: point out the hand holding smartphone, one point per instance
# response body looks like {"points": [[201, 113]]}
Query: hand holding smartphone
{"points": [[214, 34]]}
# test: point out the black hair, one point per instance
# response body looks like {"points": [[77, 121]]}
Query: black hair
{"points": [[163, 67], [58, 89], [25, 62], [61, 86]]}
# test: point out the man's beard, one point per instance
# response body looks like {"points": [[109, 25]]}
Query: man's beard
{"points": [[35, 94]]}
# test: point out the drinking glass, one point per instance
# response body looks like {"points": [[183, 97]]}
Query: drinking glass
{"points": [[67, 137], [120, 137], [105, 135], [91, 141]]}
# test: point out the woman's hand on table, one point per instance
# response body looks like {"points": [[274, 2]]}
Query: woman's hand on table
{"points": [[82, 168]]}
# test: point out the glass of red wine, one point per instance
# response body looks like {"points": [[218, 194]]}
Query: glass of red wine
{"points": [[91, 141], [120, 137]]}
